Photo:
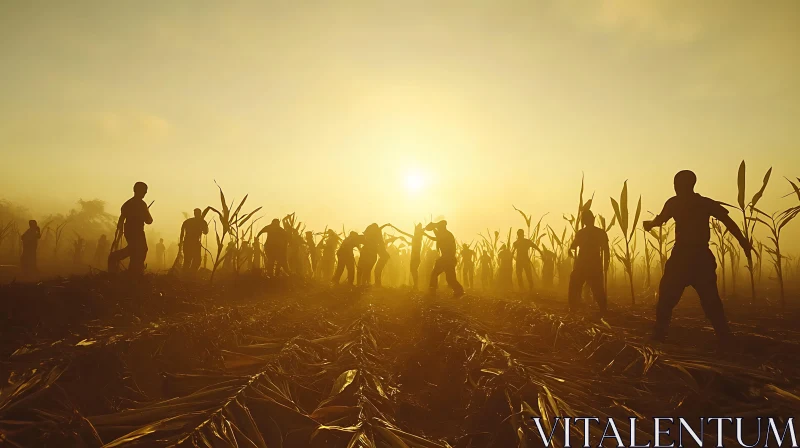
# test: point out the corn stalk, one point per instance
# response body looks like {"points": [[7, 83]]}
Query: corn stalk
{"points": [[629, 234], [230, 221], [721, 232], [748, 213], [775, 223]]}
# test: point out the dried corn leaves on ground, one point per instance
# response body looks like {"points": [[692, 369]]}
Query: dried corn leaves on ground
{"points": [[95, 362]]}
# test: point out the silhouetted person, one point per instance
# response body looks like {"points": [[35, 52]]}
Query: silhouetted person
{"points": [[294, 246], [101, 251], [548, 267], [30, 242], [346, 260], [133, 216], [504, 272], [368, 254], [416, 252], [329, 248], [592, 260], [192, 231], [487, 270], [467, 265], [313, 251], [373, 250], [691, 262], [446, 263], [161, 250], [383, 254], [522, 247], [276, 248]]}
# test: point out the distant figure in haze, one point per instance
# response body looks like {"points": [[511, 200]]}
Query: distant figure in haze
{"points": [[346, 260], [313, 251], [276, 248], [691, 262], [522, 247], [101, 251], [592, 260], [505, 260], [161, 250], [192, 230], [30, 242], [372, 250], [383, 253], [416, 252], [329, 246], [487, 270], [133, 216], [467, 265], [446, 263]]}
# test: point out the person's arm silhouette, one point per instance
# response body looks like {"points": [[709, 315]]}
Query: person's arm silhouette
{"points": [[660, 219]]}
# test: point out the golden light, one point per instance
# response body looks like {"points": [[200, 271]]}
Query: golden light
{"points": [[415, 182]]}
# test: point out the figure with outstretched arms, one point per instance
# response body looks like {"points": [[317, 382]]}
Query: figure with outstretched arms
{"points": [[691, 262]]}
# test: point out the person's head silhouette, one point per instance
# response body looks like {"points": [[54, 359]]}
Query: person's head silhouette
{"points": [[198, 213], [32, 224], [520, 234], [684, 182], [139, 189], [587, 218]]}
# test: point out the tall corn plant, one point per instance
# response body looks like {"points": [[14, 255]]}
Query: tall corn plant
{"points": [[759, 250], [629, 234], [663, 243], [748, 214], [230, 222], [606, 228], [775, 223], [649, 255], [722, 247], [735, 257]]}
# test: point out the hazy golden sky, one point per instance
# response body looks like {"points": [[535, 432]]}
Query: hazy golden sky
{"points": [[327, 107]]}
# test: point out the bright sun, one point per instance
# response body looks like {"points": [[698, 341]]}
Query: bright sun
{"points": [[415, 182]]}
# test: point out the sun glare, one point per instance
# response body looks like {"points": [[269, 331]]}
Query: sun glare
{"points": [[415, 182]]}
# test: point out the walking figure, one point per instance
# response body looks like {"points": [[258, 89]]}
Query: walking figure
{"points": [[467, 265], [133, 216], [373, 250], [691, 262], [330, 245], [313, 251], [189, 242], [30, 242], [522, 247], [346, 260], [486, 270], [416, 252], [161, 250], [591, 262], [276, 248], [446, 263]]}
